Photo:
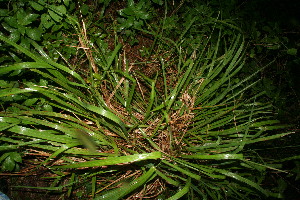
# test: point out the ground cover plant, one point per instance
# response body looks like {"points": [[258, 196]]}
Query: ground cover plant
{"points": [[176, 123]]}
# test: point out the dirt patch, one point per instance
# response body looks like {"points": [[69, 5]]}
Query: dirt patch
{"points": [[22, 186]]}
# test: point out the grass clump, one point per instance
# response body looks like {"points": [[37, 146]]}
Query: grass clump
{"points": [[113, 132]]}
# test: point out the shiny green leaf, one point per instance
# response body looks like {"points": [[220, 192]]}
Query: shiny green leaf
{"points": [[182, 192], [121, 192], [214, 157], [114, 160]]}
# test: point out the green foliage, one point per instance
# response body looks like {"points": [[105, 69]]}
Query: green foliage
{"points": [[41, 21], [270, 34], [112, 132], [133, 17], [202, 141], [10, 161], [21, 24]]}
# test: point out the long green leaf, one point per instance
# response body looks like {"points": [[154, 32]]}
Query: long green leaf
{"points": [[182, 192], [244, 180], [115, 160], [184, 171], [127, 189], [214, 157]]}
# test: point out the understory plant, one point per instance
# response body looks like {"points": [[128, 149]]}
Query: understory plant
{"points": [[185, 132]]}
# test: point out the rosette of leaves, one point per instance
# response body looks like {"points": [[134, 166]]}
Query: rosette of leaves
{"points": [[118, 134]]}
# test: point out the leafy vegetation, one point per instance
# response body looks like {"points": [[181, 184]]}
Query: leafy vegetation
{"points": [[181, 116]]}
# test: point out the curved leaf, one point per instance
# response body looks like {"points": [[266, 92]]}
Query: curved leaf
{"points": [[182, 192], [124, 190], [115, 160]]}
